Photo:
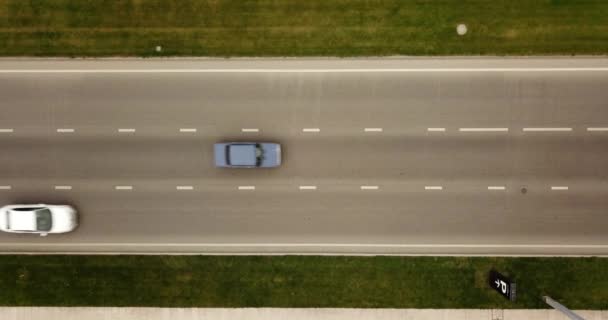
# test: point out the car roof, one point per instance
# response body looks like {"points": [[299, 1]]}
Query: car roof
{"points": [[242, 154], [22, 220]]}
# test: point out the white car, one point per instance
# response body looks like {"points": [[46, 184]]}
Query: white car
{"points": [[40, 219]]}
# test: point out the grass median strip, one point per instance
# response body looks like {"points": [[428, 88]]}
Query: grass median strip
{"points": [[301, 28], [297, 281]]}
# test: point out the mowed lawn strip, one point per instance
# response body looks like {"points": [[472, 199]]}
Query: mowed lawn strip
{"points": [[297, 281], [301, 28]]}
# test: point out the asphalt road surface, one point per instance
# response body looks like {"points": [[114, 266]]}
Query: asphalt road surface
{"points": [[395, 156]]}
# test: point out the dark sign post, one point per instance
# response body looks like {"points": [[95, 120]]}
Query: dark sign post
{"points": [[502, 284]]}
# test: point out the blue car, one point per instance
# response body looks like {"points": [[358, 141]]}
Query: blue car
{"points": [[247, 155]]}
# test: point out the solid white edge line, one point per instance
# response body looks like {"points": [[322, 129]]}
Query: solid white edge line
{"points": [[65, 130], [311, 130], [184, 187], [63, 187], [6, 130], [483, 129], [187, 130], [545, 129], [246, 187], [558, 188], [370, 187], [123, 187], [433, 188], [320, 245], [295, 253], [312, 70], [308, 187], [435, 129], [126, 130], [6, 187], [250, 130], [373, 129], [598, 129], [496, 187]]}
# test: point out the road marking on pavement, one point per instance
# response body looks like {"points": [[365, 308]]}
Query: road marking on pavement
{"points": [[184, 187], [250, 130], [372, 129], [496, 188], [123, 187], [5, 187], [598, 129], [435, 129], [483, 129], [63, 187], [559, 188], [313, 70], [246, 188], [6, 130], [338, 246], [370, 187], [545, 129], [126, 130], [308, 187], [187, 130], [65, 130], [311, 130], [433, 188]]}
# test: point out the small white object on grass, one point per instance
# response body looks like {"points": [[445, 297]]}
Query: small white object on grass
{"points": [[461, 29], [159, 48]]}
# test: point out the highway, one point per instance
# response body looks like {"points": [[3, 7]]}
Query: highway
{"points": [[455, 156]]}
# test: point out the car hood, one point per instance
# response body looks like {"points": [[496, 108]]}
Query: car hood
{"points": [[64, 220], [271, 156]]}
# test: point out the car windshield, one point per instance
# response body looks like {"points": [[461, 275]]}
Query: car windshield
{"points": [[44, 220]]}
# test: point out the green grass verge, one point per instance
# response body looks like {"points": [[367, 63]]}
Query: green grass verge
{"points": [[297, 281], [301, 28]]}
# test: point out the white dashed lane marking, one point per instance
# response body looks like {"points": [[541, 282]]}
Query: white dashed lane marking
{"points": [[496, 187], [303, 187], [546, 129], [370, 187], [483, 129], [317, 130]]}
